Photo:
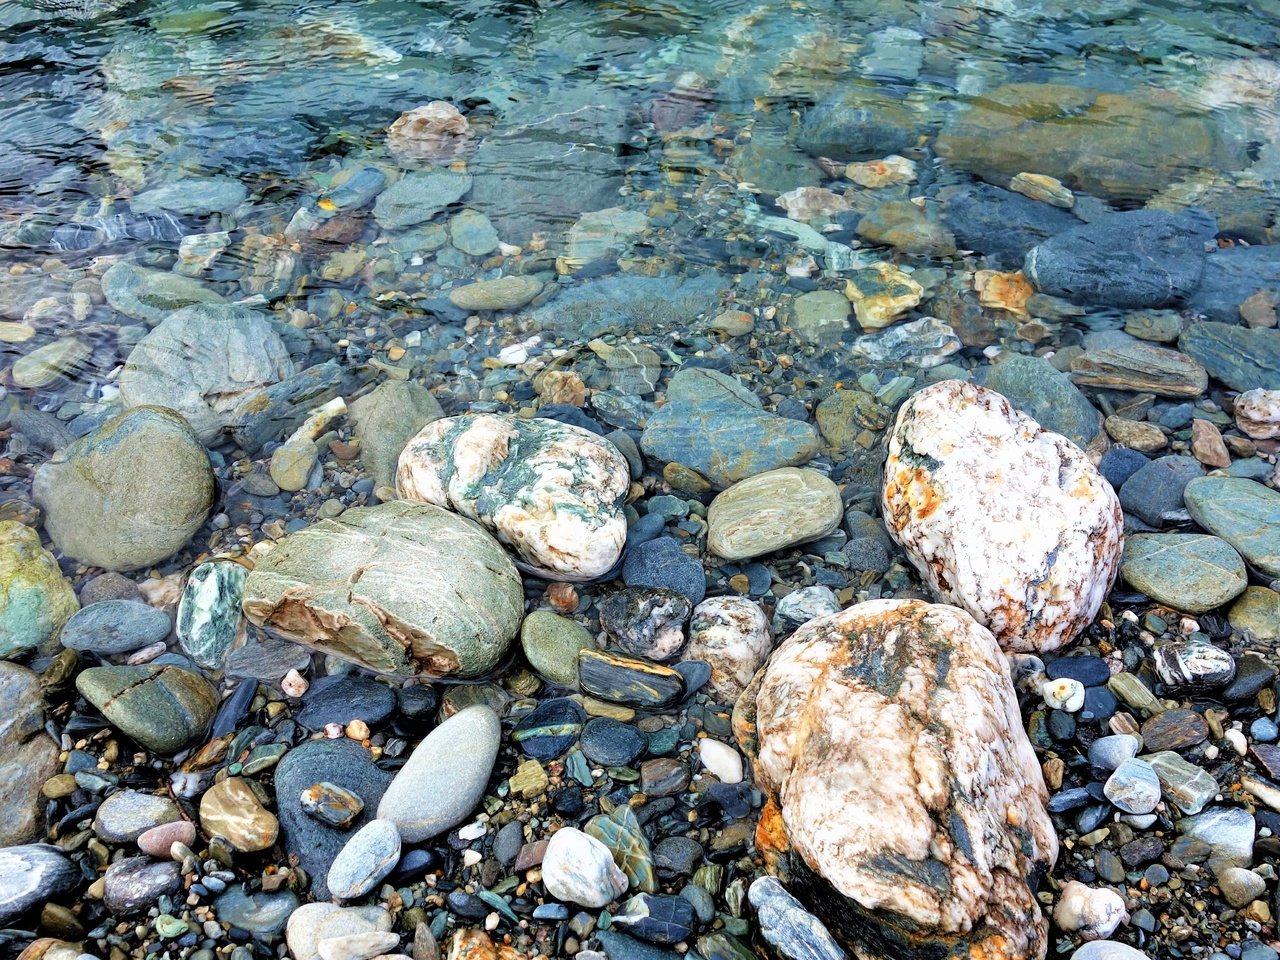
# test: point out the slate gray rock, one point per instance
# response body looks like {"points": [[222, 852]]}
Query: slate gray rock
{"points": [[385, 419], [1154, 491], [445, 776], [1188, 571], [1242, 358], [28, 757], [1244, 513], [628, 303], [115, 626], [713, 424], [342, 762], [129, 494], [400, 588], [1231, 276], [150, 295], [368, 856], [1001, 224], [32, 875], [862, 121], [1047, 395], [1138, 258]]}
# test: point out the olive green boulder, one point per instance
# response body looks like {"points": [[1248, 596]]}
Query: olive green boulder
{"points": [[35, 599], [164, 708]]}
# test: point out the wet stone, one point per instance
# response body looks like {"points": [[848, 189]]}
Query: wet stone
{"points": [[31, 875], [231, 809], [1184, 784], [550, 729], [127, 815], [620, 832], [1176, 730], [663, 777], [209, 619], [1134, 787], [164, 708], [135, 883], [370, 854], [610, 743], [262, 914], [551, 644], [344, 697], [628, 680], [661, 564], [1252, 675], [1087, 670], [331, 804], [646, 622], [657, 919], [1194, 664], [1108, 753], [115, 627], [1188, 571]]}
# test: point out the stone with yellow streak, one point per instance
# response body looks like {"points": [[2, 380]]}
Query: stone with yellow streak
{"points": [[904, 804], [1001, 517], [1003, 291], [881, 294], [232, 810]]}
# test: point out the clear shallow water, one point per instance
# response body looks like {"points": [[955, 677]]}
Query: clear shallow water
{"points": [[688, 117]]}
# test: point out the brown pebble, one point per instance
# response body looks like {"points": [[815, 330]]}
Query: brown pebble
{"points": [[563, 597], [158, 841], [1177, 729]]}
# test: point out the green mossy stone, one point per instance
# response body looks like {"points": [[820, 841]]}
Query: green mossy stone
{"points": [[35, 599], [551, 644]]}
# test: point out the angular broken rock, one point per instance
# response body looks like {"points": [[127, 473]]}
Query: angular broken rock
{"points": [[905, 803], [400, 588], [1258, 413], [1000, 516], [550, 491]]}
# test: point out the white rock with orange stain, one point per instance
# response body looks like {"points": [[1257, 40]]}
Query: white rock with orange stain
{"points": [[1092, 912], [732, 635], [1258, 413], [1001, 517], [551, 492], [905, 803]]}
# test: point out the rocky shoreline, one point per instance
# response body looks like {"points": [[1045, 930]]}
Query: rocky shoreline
{"points": [[858, 540]]}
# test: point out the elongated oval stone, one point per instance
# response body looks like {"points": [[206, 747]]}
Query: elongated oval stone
{"points": [[164, 708], [772, 511], [210, 622], [551, 492], [1000, 516], [629, 680], [905, 803]]}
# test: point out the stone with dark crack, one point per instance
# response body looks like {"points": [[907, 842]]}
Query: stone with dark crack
{"points": [[905, 805], [551, 491], [400, 588], [1001, 517]]}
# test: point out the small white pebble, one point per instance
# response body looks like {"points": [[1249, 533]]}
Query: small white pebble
{"points": [[1064, 694], [471, 857], [1237, 740], [472, 831], [294, 684], [334, 731], [721, 760], [1211, 752], [1130, 616], [492, 920]]}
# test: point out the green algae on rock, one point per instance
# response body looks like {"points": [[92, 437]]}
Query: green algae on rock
{"points": [[35, 599], [400, 588]]}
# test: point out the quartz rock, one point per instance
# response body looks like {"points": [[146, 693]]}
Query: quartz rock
{"points": [[905, 803], [1000, 516], [732, 635], [580, 869], [1258, 413], [772, 511], [1091, 912], [400, 588], [551, 492], [1194, 664]]}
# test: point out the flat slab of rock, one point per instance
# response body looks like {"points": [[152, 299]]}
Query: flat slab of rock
{"points": [[772, 511], [713, 424], [905, 803], [1243, 512], [550, 491], [1191, 572], [400, 588], [1139, 367], [1001, 517], [445, 776], [1242, 358]]}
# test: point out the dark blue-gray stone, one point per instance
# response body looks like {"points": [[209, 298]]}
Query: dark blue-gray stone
{"points": [[343, 762], [31, 876], [1232, 276], [788, 926], [611, 743], [115, 626], [1119, 464], [1242, 358], [714, 424], [1047, 395], [657, 918], [262, 914], [344, 697], [550, 729], [619, 946], [1138, 258], [660, 563], [1154, 491], [1090, 671], [1000, 223], [624, 303]]}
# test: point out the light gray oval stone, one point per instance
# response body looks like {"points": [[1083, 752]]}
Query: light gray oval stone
{"points": [[445, 776], [370, 854]]}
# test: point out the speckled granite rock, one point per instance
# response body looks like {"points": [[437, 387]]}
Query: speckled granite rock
{"points": [[400, 588], [905, 803], [772, 511], [550, 491], [1000, 516], [732, 635]]}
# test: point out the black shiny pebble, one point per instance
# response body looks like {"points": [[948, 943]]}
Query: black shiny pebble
{"points": [[657, 918], [1069, 799], [420, 702], [628, 680], [233, 709], [568, 801], [1062, 725], [1100, 705], [1090, 671], [468, 905], [1252, 674], [344, 697], [696, 674], [1091, 818], [734, 799], [552, 728], [612, 743]]}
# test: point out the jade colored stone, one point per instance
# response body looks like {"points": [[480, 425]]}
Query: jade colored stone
{"points": [[551, 644], [1187, 571], [1242, 512], [35, 599]]}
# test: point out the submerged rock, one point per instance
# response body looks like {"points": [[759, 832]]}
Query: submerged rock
{"points": [[400, 588], [1006, 519], [129, 494], [35, 599], [905, 803], [551, 491], [151, 295]]}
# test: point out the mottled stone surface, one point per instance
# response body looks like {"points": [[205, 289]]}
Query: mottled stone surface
{"points": [[31, 875], [580, 869], [400, 588], [905, 803], [1258, 413], [732, 635], [1000, 516], [551, 492], [129, 494], [35, 599], [28, 756], [1243, 512], [772, 511], [209, 621]]}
